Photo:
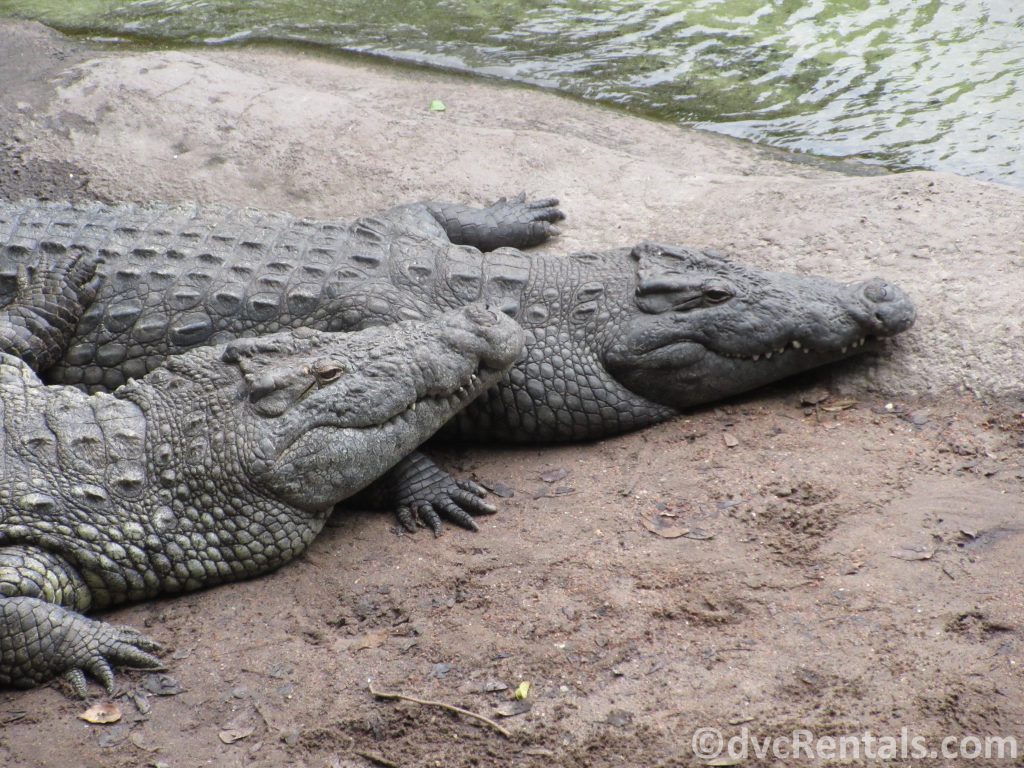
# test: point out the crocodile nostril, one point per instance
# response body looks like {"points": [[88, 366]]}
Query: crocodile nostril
{"points": [[482, 315], [878, 291]]}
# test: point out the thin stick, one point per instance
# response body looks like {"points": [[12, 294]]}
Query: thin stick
{"points": [[377, 759], [450, 707]]}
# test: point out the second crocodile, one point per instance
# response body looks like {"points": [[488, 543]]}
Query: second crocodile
{"points": [[615, 340], [222, 465]]}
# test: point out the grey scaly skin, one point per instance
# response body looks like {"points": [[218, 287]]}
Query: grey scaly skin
{"points": [[222, 465], [615, 340]]}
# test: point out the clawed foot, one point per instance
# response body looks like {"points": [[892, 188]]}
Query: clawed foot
{"points": [[423, 494], [121, 646], [529, 222], [448, 498], [48, 305], [510, 222], [39, 640]]}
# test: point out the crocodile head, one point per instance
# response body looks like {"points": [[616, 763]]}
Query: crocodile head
{"points": [[314, 417], [708, 328]]}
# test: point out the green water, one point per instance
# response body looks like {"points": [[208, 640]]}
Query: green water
{"points": [[906, 83]]}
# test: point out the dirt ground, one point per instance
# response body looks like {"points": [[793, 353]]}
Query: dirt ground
{"points": [[838, 555]]}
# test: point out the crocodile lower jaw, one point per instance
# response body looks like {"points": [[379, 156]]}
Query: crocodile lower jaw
{"points": [[795, 346]]}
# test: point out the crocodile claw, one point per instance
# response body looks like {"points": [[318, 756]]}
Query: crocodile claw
{"points": [[456, 501], [425, 495], [104, 646]]}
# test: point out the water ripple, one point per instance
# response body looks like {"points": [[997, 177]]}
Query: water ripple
{"points": [[907, 83]]}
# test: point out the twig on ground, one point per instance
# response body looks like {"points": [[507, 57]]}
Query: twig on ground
{"points": [[377, 759], [450, 707]]}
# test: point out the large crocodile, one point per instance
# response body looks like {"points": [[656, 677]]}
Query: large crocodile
{"points": [[221, 465], [615, 340]]}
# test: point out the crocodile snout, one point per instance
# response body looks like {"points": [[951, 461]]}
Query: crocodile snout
{"points": [[495, 338], [888, 310]]}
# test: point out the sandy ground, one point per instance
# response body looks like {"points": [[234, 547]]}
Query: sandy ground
{"points": [[839, 554]]}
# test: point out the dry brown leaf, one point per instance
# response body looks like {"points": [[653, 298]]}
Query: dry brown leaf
{"points": [[231, 735], [666, 527], [913, 552], [839, 405], [513, 708], [553, 475], [369, 640], [102, 713]]}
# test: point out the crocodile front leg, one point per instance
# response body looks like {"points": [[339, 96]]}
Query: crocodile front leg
{"points": [[510, 222], [42, 635]]}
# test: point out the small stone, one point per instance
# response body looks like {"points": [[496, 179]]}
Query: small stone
{"points": [[619, 718]]}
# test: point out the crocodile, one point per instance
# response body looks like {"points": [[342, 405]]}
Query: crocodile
{"points": [[615, 339], [222, 464]]}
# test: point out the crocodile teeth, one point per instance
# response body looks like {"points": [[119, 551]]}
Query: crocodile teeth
{"points": [[413, 406], [756, 358], [843, 350], [767, 356], [806, 351], [796, 344]]}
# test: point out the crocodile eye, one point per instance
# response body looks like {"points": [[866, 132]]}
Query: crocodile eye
{"points": [[325, 373], [716, 295]]}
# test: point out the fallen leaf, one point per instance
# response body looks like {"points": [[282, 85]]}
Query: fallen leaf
{"points": [[839, 405], [231, 735], [730, 440], [814, 396], [699, 534], [501, 490], [141, 702], [139, 740], [102, 713], [162, 685], [554, 474], [666, 527], [913, 552], [114, 735], [619, 717], [513, 708], [369, 640], [523, 690], [437, 106]]}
